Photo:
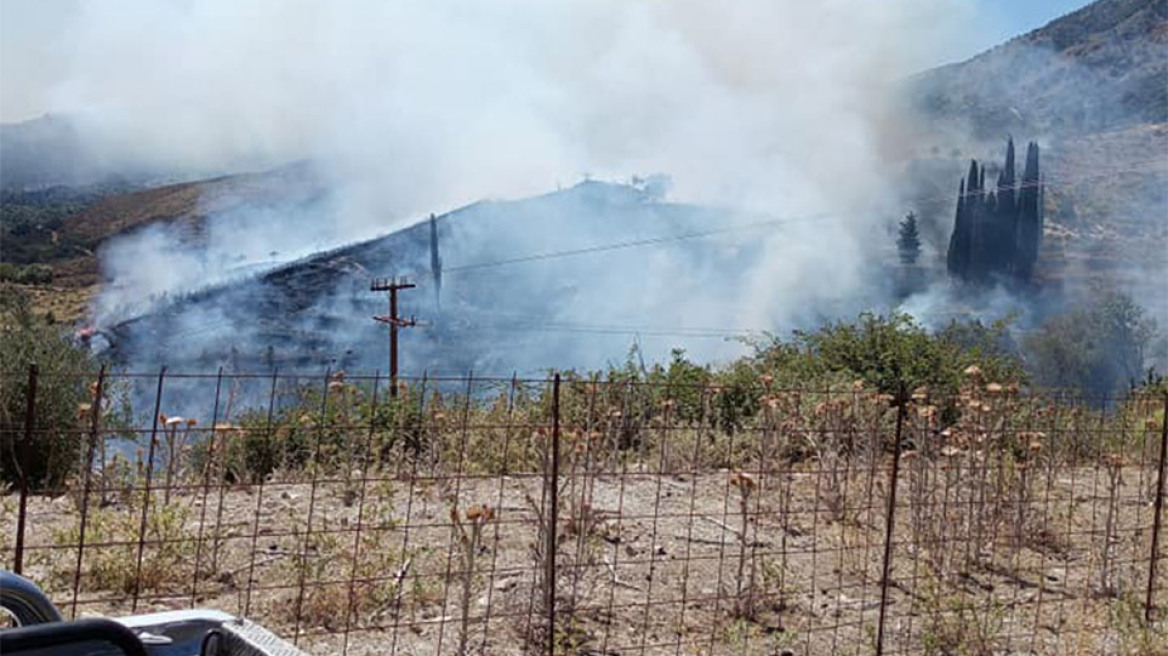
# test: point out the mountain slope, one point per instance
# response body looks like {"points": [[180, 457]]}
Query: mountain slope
{"points": [[1092, 88], [70, 245], [43, 152], [1100, 68], [317, 311]]}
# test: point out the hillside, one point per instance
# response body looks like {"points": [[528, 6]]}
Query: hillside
{"points": [[1092, 88], [44, 152], [317, 311], [1098, 69], [66, 228]]}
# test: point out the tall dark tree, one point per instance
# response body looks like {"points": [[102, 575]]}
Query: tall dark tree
{"points": [[1006, 182], [435, 261], [958, 258], [1029, 226], [996, 232], [908, 242]]}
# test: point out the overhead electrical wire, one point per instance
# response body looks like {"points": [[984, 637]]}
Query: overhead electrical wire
{"points": [[650, 241], [663, 239], [1141, 167], [536, 323]]}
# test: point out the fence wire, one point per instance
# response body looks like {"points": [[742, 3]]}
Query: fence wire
{"points": [[358, 515]]}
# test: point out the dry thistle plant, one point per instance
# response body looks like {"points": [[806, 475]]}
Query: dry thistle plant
{"points": [[1108, 578], [175, 431], [1034, 442], [744, 581], [468, 535]]}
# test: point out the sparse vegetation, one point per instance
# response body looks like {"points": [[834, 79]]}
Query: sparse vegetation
{"points": [[167, 562], [784, 452], [32, 274]]}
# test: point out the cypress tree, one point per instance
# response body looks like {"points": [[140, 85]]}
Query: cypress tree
{"points": [[1029, 217], [974, 219], [996, 231], [908, 243], [972, 177], [1006, 182], [958, 256]]}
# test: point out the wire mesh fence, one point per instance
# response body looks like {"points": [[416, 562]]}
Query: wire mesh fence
{"points": [[569, 515]]}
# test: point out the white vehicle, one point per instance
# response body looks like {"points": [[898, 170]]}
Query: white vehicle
{"points": [[41, 631]]}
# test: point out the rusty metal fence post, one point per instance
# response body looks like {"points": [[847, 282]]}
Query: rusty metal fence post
{"points": [[95, 418], [142, 525], [1154, 558], [22, 466], [890, 522], [553, 517]]}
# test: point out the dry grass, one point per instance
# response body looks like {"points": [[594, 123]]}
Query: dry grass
{"points": [[1031, 536], [66, 303], [798, 574]]}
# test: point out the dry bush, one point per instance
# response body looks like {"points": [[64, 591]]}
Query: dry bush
{"points": [[342, 579]]}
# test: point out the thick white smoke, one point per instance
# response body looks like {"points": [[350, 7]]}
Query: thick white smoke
{"points": [[447, 101], [413, 107]]}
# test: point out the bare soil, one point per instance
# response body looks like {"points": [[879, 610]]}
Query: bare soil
{"points": [[647, 563]]}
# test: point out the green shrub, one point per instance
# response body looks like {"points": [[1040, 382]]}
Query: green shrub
{"points": [[889, 353], [9, 272], [35, 274], [1101, 347], [334, 434], [60, 401]]}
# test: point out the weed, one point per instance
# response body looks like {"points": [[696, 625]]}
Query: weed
{"points": [[1135, 635], [956, 624], [468, 536], [744, 593], [111, 551]]}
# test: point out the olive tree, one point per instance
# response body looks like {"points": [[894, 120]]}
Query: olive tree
{"points": [[61, 397]]}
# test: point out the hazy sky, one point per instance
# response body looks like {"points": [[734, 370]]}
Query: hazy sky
{"points": [[33, 56]]}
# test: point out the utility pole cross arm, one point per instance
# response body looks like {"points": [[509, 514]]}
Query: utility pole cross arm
{"points": [[393, 286]]}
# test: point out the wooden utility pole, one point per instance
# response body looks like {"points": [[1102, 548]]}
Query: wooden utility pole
{"points": [[435, 262], [393, 285]]}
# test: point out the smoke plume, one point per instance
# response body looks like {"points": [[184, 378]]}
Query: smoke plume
{"points": [[407, 108]]}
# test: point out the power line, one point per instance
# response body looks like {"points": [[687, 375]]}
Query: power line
{"points": [[1153, 164], [534, 323], [632, 243], [823, 216], [617, 330]]}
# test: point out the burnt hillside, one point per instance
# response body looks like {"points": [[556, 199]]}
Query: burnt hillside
{"points": [[317, 312]]}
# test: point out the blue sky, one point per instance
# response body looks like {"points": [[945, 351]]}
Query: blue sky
{"points": [[1008, 18]]}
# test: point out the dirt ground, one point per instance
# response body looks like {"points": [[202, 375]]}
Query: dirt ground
{"points": [[646, 563]]}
